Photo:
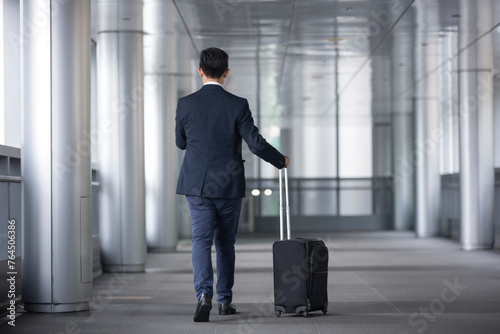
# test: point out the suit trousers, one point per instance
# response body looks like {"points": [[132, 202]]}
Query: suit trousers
{"points": [[214, 218]]}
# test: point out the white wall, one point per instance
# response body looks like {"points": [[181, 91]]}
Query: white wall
{"points": [[10, 120], [2, 117], [496, 108]]}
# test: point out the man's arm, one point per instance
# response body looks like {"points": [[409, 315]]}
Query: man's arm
{"points": [[287, 161], [180, 133], [256, 143]]}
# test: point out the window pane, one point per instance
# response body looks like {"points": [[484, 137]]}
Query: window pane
{"points": [[2, 117], [355, 151], [355, 120], [10, 72], [319, 203], [355, 197], [497, 120], [318, 197], [318, 158], [355, 202]]}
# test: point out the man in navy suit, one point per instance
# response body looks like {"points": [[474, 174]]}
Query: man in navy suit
{"points": [[210, 126]]}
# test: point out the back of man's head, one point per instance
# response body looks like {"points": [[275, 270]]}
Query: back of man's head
{"points": [[213, 62]]}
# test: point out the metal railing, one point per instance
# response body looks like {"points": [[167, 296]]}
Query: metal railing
{"points": [[10, 213], [322, 203], [333, 196], [450, 206]]}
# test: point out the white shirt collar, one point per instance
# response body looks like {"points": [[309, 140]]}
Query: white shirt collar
{"points": [[212, 83]]}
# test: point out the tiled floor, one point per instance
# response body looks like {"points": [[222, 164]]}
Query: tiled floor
{"points": [[379, 282]]}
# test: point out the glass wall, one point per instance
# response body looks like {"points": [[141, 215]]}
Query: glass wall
{"points": [[450, 123], [10, 73], [95, 130], [497, 119], [496, 81], [355, 120], [2, 117], [329, 138]]}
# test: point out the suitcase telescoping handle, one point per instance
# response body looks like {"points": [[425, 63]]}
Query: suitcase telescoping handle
{"points": [[287, 209]]}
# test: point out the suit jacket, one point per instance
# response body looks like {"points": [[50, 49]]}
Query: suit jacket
{"points": [[210, 125]]}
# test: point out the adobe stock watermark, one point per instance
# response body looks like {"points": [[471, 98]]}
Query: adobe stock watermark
{"points": [[419, 321], [223, 6], [406, 165], [11, 271], [32, 25], [98, 303], [379, 21], [251, 323], [298, 273], [218, 181], [121, 108]]}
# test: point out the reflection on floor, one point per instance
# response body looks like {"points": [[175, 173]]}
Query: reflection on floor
{"points": [[379, 282]]}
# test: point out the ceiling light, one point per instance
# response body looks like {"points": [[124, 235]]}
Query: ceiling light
{"points": [[335, 40], [347, 18]]}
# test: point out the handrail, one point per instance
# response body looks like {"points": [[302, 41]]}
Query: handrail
{"points": [[17, 179], [456, 183], [298, 183], [324, 178], [10, 179]]}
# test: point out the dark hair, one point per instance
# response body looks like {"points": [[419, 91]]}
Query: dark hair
{"points": [[213, 62]]}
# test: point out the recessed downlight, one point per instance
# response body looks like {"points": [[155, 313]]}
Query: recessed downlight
{"points": [[335, 40]]}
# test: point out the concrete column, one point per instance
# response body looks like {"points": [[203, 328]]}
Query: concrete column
{"points": [[381, 131], [427, 127], [161, 162], [402, 121], [449, 102], [121, 150], [476, 126], [496, 104], [381, 112], [55, 53]]}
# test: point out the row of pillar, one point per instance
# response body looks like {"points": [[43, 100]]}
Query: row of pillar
{"points": [[416, 157], [134, 191], [137, 180], [477, 180]]}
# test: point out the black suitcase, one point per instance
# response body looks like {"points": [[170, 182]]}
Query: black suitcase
{"points": [[300, 269]]}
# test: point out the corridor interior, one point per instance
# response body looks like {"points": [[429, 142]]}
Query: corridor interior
{"points": [[379, 282]]}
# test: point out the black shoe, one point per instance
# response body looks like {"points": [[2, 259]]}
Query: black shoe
{"points": [[203, 308], [225, 309]]}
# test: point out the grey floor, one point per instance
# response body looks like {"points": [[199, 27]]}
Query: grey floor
{"points": [[379, 282]]}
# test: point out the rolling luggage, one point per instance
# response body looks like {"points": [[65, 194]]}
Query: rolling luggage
{"points": [[300, 269]]}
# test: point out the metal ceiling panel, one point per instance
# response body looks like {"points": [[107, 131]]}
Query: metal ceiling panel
{"points": [[285, 55]]}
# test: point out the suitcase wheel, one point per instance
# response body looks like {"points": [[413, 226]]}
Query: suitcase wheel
{"points": [[324, 311], [277, 313]]}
